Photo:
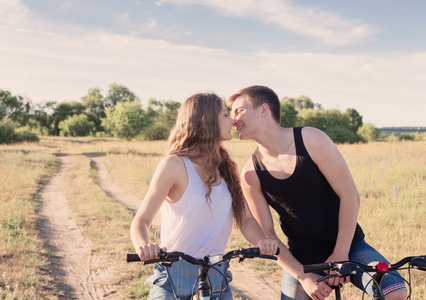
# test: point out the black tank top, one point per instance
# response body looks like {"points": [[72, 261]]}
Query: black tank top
{"points": [[307, 205]]}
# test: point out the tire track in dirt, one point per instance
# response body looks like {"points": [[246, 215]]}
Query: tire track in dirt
{"points": [[78, 272], [248, 283]]}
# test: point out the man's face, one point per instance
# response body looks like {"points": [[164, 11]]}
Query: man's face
{"points": [[245, 116]]}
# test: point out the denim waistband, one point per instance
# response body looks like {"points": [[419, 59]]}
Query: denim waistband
{"points": [[183, 277]]}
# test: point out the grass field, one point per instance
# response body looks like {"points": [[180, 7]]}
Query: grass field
{"points": [[391, 178]]}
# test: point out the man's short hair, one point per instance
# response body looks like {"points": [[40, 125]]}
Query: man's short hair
{"points": [[258, 95]]}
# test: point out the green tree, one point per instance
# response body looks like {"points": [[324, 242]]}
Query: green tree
{"points": [[355, 119], [62, 111], [95, 107], [118, 94], [163, 115], [126, 120], [41, 119], [16, 107], [332, 122], [77, 125], [288, 115], [299, 103], [369, 132], [171, 112], [311, 117]]}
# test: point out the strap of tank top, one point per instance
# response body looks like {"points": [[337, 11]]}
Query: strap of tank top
{"points": [[192, 173], [298, 141], [257, 163]]}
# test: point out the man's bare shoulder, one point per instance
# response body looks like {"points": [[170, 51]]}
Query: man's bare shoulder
{"points": [[313, 137], [248, 174], [317, 143], [248, 166]]}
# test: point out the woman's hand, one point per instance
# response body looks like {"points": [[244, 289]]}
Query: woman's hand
{"points": [[149, 251]]}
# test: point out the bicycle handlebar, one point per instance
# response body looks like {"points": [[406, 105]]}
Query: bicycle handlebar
{"points": [[171, 257], [344, 268]]}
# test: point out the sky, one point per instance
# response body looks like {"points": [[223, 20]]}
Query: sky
{"points": [[369, 55]]}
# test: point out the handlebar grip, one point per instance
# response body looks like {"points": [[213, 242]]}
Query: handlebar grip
{"points": [[256, 250], [253, 250], [419, 263], [132, 257], [316, 267]]}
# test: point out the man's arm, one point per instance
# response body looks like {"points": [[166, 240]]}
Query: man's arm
{"points": [[260, 210], [333, 166], [254, 234]]}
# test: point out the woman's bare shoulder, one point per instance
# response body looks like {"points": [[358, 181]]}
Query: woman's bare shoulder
{"points": [[172, 162]]}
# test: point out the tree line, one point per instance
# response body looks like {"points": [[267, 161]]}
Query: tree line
{"points": [[119, 113]]}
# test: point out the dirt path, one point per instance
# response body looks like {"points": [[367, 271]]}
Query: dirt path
{"points": [[247, 282], [78, 271]]}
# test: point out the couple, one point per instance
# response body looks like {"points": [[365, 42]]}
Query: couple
{"points": [[299, 172]]}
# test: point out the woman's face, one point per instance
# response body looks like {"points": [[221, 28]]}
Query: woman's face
{"points": [[225, 123]]}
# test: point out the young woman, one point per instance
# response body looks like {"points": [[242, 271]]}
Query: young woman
{"points": [[197, 188]]}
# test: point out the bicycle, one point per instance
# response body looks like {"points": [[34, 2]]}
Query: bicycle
{"points": [[346, 268], [208, 262]]}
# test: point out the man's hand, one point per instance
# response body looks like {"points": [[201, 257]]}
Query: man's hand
{"points": [[316, 291], [337, 280]]}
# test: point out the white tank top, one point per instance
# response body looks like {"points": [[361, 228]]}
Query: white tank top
{"points": [[190, 225]]}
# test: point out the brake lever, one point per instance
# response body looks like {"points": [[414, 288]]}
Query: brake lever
{"points": [[345, 269], [151, 261], [326, 277]]}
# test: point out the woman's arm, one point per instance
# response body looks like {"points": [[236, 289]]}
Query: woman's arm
{"points": [[168, 178]]}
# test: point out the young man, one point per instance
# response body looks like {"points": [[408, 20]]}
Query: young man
{"points": [[301, 174]]}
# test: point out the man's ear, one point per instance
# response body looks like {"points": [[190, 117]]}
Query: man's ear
{"points": [[264, 109]]}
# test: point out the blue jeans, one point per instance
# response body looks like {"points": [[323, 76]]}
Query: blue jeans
{"points": [[177, 282], [360, 252]]}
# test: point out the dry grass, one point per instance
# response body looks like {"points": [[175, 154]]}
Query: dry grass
{"points": [[23, 273], [390, 177]]}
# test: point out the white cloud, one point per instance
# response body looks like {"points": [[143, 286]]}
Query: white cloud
{"points": [[47, 65], [12, 13], [121, 18], [65, 6], [152, 23], [327, 27]]}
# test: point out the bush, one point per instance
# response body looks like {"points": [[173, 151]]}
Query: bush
{"points": [[341, 135], [7, 131], [25, 135], [77, 125], [126, 120], [369, 132], [10, 135], [157, 131]]}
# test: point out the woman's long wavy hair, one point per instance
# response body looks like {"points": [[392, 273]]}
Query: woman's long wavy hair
{"points": [[197, 134]]}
